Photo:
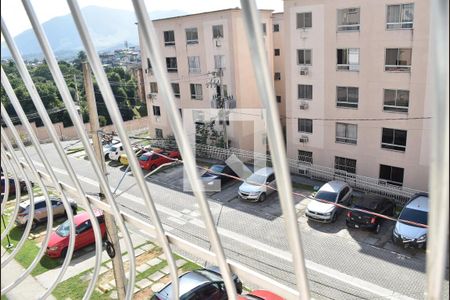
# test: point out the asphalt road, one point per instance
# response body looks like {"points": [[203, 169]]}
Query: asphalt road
{"points": [[340, 264]]}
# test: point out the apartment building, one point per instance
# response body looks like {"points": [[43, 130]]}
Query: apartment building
{"points": [[206, 55], [348, 61]]}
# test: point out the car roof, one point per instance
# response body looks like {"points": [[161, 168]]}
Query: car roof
{"points": [[84, 216], [188, 281], [38, 199], [264, 171], [369, 201], [333, 186], [117, 145], [419, 203]]}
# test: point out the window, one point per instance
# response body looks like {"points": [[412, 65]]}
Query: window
{"points": [[347, 96], [305, 125], [276, 27], [305, 91], [153, 87], [400, 16], [171, 63], [348, 19], [394, 139], [181, 112], [191, 36], [278, 99], [159, 133], [396, 100], [219, 61], [264, 28], [176, 90], [304, 57], [194, 64], [348, 59], [277, 76], [169, 38], [398, 59], [346, 133], [196, 91], [217, 31], [149, 64], [156, 110], [345, 164], [305, 156], [304, 20], [392, 175], [277, 52]]}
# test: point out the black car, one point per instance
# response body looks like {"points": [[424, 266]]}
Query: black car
{"points": [[205, 284], [215, 178], [373, 203], [12, 185]]}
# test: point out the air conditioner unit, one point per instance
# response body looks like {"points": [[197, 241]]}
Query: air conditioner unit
{"points": [[303, 170], [304, 139], [218, 42], [304, 71], [304, 105]]}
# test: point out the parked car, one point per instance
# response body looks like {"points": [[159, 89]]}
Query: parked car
{"points": [[205, 284], [59, 240], [12, 185], [373, 203], [252, 190], [322, 208], [411, 235], [115, 151], [40, 210], [151, 160], [124, 158], [107, 148], [261, 295], [217, 174]]}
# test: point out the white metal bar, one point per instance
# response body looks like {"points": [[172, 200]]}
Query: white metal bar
{"points": [[6, 167], [437, 244], [150, 40], [253, 28]]}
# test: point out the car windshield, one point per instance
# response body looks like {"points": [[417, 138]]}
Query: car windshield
{"points": [[113, 148], [328, 196], [414, 215], [214, 170], [63, 229], [144, 158], [256, 179]]}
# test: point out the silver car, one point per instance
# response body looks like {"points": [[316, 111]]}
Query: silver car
{"points": [[255, 186]]}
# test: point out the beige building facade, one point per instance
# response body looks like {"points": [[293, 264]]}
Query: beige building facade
{"points": [[205, 54], [348, 61]]}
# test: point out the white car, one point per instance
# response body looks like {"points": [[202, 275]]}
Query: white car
{"points": [[107, 148], [115, 151], [330, 193], [252, 190]]}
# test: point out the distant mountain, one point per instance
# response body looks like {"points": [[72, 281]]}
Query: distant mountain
{"points": [[109, 29]]}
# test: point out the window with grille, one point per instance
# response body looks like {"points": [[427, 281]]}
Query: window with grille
{"points": [[392, 175], [304, 57], [196, 91], [264, 28], [194, 64], [153, 87], [345, 164], [396, 100], [346, 133], [169, 38], [171, 63], [348, 59], [305, 156], [278, 99], [276, 52], [156, 110], [347, 96], [304, 20], [394, 139], [348, 19], [217, 31], [176, 90], [159, 133], [400, 16], [191, 36], [276, 27], [305, 91], [277, 76], [305, 125], [398, 59]]}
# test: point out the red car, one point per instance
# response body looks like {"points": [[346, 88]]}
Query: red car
{"points": [[151, 160], [261, 295], [59, 240]]}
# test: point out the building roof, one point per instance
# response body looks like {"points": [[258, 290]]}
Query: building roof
{"points": [[210, 12]]}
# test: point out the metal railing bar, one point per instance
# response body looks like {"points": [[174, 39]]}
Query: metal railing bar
{"points": [[24, 120], [115, 115], [150, 41], [437, 255], [253, 28], [5, 167]]}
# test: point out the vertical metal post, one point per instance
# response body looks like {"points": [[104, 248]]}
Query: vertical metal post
{"points": [[111, 228]]}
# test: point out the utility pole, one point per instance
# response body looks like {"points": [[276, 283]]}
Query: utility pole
{"points": [[111, 228], [77, 96]]}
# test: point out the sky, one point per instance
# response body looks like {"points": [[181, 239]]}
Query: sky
{"points": [[16, 19]]}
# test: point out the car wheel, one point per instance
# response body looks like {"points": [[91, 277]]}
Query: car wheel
{"points": [[377, 229], [64, 253], [152, 168], [262, 197], [334, 218], [74, 210], [34, 224]]}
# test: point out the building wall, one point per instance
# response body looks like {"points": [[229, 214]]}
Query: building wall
{"points": [[279, 64], [372, 39]]}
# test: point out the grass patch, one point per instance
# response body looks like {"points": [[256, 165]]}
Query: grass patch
{"points": [[189, 266], [302, 186], [74, 288], [4, 297], [74, 150], [152, 270]]}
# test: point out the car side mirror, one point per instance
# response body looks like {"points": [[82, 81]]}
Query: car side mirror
{"points": [[316, 188]]}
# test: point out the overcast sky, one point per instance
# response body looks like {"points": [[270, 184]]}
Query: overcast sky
{"points": [[16, 20]]}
